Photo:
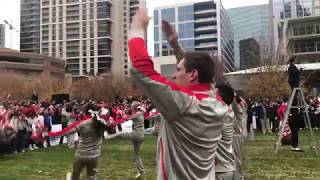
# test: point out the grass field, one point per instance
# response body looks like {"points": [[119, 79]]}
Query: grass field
{"points": [[117, 161]]}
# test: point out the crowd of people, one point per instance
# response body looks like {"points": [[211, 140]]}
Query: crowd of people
{"points": [[23, 119], [267, 119]]}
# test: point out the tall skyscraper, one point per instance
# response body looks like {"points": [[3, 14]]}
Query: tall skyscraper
{"points": [[90, 35], [2, 35], [250, 22], [30, 26], [203, 26], [249, 53]]}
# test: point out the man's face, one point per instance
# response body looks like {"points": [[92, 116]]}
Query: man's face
{"points": [[181, 77]]}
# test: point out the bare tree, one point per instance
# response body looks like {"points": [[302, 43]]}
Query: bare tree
{"points": [[270, 78]]}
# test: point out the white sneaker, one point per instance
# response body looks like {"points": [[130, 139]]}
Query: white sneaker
{"points": [[296, 149], [68, 176], [35, 147], [140, 174], [30, 148]]}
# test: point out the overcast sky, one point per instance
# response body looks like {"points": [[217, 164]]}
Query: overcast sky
{"points": [[10, 11]]}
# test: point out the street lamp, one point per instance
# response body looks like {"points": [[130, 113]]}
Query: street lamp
{"points": [[11, 28]]}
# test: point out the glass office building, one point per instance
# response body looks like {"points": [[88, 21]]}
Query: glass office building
{"points": [[203, 26], [249, 22]]}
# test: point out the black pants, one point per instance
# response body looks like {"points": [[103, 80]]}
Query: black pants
{"points": [[275, 124], [119, 127], [29, 140], [294, 126], [249, 121], [64, 125], [21, 140]]}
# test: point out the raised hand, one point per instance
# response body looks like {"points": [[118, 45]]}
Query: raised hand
{"points": [[170, 32], [141, 20], [172, 37]]}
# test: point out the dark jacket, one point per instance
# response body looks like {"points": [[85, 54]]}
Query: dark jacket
{"points": [[47, 121], [294, 75]]}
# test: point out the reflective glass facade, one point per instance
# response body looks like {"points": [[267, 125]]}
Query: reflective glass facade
{"points": [[169, 15], [185, 13], [197, 28], [249, 22]]}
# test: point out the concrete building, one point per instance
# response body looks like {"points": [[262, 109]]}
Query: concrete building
{"points": [[165, 65], [30, 63], [250, 22], [302, 39], [249, 53], [2, 36], [298, 29], [203, 26], [91, 36]]}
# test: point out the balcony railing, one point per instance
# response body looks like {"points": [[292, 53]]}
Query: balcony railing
{"points": [[206, 45], [206, 28], [315, 49], [206, 36], [205, 19], [205, 11]]}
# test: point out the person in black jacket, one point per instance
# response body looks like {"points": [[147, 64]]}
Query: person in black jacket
{"points": [[294, 81], [293, 73]]}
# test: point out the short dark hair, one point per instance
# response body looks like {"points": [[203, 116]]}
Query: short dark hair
{"points": [[291, 60], [202, 62], [226, 92]]}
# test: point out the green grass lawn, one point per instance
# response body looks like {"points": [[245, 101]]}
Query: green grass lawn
{"points": [[117, 161]]}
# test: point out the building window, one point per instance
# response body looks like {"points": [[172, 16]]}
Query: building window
{"points": [[187, 44], [168, 15], [156, 50], [186, 13], [310, 28], [186, 30], [156, 33], [166, 49], [317, 28], [156, 17]]}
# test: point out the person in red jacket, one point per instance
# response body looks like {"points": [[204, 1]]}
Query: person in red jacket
{"points": [[287, 132]]}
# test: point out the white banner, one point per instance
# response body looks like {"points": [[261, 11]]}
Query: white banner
{"points": [[254, 122], [54, 141], [127, 126]]}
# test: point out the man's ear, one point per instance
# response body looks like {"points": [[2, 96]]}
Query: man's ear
{"points": [[194, 75]]}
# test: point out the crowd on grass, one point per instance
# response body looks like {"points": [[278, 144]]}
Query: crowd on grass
{"points": [[266, 115], [24, 120]]}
